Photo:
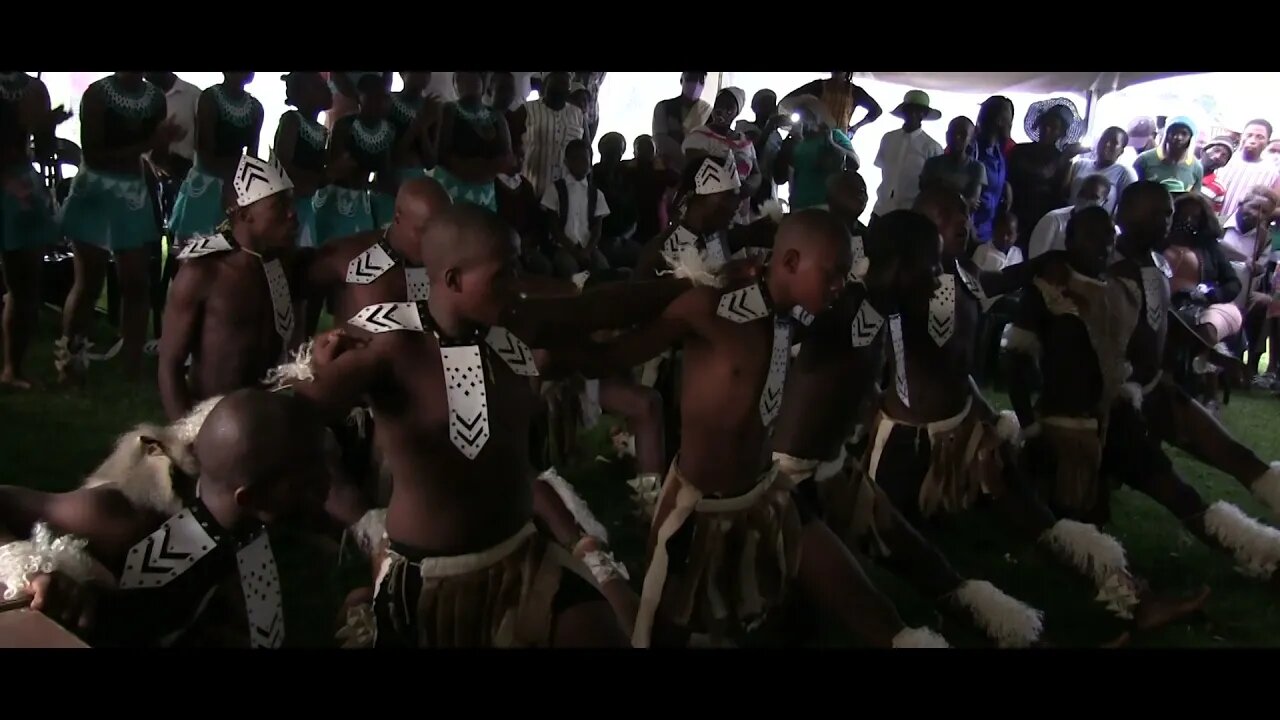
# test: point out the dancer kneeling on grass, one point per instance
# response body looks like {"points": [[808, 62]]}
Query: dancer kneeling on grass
{"points": [[729, 539], [145, 554], [231, 309]]}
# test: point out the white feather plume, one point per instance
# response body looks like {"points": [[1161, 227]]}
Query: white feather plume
{"points": [[1267, 488], [1256, 547], [575, 504], [299, 370], [1005, 619], [689, 263], [923, 637]]}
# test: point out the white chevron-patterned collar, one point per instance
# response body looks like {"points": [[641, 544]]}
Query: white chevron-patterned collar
{"points": [[377, 260], [202, 245], [745, 304], [413, 317]]}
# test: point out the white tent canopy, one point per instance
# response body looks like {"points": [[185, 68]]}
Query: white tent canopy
{"points": [[1099, 83]]}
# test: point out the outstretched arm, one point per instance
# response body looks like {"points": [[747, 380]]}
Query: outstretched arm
{"points": [[547, 320], [344, 369], [103, 517], [676, 324]]}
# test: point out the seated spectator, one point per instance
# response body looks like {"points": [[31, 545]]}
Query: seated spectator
{"points": [[1203, 286], [574, 211], [1104, 162], [618, 229], [1051, 232]]}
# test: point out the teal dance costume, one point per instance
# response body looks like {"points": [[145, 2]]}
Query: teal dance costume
{"points": [[308, 154], [113, 210], [475, 135], [344, 211], [199, 210], [404, 110], [26, 207]]}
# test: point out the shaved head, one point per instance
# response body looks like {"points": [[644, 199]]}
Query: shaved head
{"points": [[418, 201], [949, 213], [847, 195], [1144, 214], [811, 259], [253, 437], [470, 255], [904, 248]]}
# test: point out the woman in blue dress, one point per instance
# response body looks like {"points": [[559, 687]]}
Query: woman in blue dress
{"points": [[109, 212], [300, 145], [474, 144], [414, 119], [360, 146], [228, 122]]}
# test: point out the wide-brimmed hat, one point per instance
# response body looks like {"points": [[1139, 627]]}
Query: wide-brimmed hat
{"points": [[1063, 108], [808, 105], [918, 98]]}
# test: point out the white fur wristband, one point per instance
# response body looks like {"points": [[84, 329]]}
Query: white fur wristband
{"points": [[604, 568], [22, 560], [299, 370]]}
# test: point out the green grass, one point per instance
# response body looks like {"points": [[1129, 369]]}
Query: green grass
{"points": [[51, 438]]}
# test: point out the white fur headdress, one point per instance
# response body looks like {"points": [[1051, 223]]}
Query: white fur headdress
{"points": [[716, 175], [257, 179]]}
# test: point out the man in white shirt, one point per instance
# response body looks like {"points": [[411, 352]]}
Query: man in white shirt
{"points": [[1244, 244], [575, 209], [1051, 232], [903, 152], [550, 123]]}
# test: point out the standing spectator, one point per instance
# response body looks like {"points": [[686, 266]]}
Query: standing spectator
{"points": [[676, 117], [653, 186], [1246, 241], [1038, 169], [1273, 152], [503, 99], [1248, 168], [1142, 137], [812, 155], [763, 132], [474, 146], [1104, 162], [953, 170], [591, 82], [1216, 154], [718, 138], [1172, 164], [575, 208], [615, 180], [841, 97], [551, 123], [995, 122], [1002, 251], [903, 153]]}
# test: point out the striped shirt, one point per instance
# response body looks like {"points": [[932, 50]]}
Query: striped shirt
{"points": [[1240, 176], [546, 134]]}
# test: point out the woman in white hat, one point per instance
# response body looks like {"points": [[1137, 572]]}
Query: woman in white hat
{"points": [[718, 138], [903, 153], [1037, 169]]}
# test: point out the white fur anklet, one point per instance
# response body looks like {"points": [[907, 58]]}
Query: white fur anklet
{"points": [[1005, 619], [299, 370], [1256, 547], [1267, 488], [575, 504], [604, 568], [1099, 556], [1008, 427], [22, 560], [910, 638]]}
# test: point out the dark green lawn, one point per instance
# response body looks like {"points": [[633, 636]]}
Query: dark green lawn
{"points": [[50, 439]]}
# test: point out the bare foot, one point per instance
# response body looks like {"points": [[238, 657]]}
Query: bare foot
{"points": [[10, 379], [1157, 611], [1121, 641]]}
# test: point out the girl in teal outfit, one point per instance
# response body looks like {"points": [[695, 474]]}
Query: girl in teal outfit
{"points": [[359, 146], [415, 120], [814, 155], [474, 144], [228, 122], [109, 210], [300, 145]]}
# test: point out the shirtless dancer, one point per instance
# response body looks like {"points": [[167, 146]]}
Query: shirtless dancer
{"points": [[831, 379], [230, 307], [1167, 412], [728, 539], [451, 391], [26, 216], [932, 450], [149, 559]]}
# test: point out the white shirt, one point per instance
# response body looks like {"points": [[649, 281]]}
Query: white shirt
{"points": [[546, 134], [902, 155], [1050, 233], [182, 99], [577, 226], [990, 259]]}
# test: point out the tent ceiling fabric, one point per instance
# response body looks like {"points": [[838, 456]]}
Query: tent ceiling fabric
{"points": [[1019, 82]]}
